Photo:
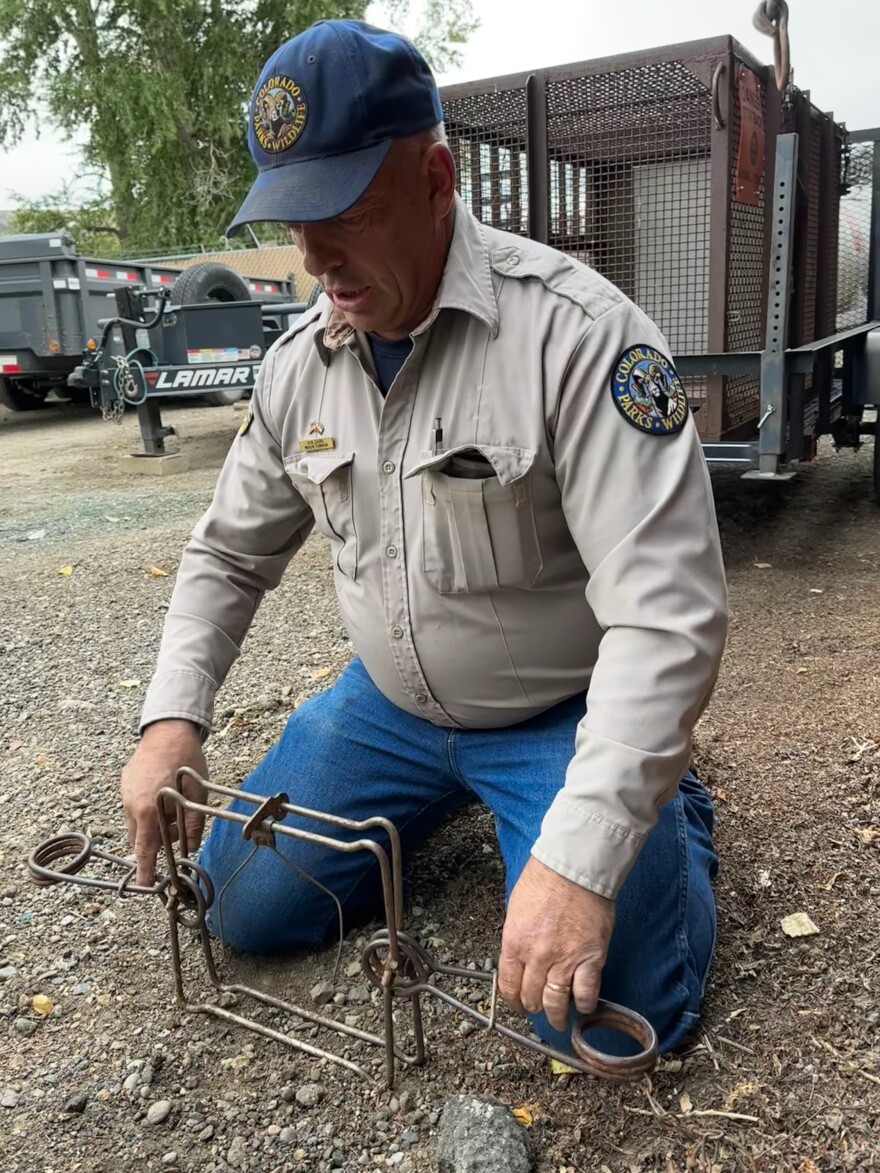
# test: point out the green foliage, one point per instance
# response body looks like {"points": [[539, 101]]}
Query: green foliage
{"points": [[90, 225], [161, 89]]}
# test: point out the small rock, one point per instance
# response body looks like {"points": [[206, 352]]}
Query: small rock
{"points": [[227, 1000], [405, 1101], [147, 1074], [170, 1159], [408, 1138], [288, 1093], [466, 1027], [273, 1129], [7, 973], [287, 1135], [354, 970], [130, 1083], [9, 1099], [480, 1134], [159, 1112], [394, 1105], [76, 1103], [309, 1095], [25, 1027], [359, 995], [237, 1153], [395, 1159], [320, 994], [207, 1132]]}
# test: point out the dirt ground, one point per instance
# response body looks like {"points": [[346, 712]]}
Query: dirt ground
{"points": [[785, 1074]]}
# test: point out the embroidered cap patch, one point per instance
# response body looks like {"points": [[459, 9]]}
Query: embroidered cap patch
{"points": [[648, 393]]}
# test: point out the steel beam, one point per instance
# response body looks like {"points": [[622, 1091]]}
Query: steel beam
{"points": [[773, 420]]}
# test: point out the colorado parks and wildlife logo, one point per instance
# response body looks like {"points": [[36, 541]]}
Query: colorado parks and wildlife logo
{"points": [[648, 392], [279, 114]]}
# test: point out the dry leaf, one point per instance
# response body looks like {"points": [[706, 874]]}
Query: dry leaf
{"points": [[320, 673], [157, 572], [798, 925], [41, 760], [809, 1166], [42, 1004], [67, 571], [720, 793], [129, 683], [802, 671], [524, 1115], [559, 1068], [763, 565], [868, 835], [686, 1103]]}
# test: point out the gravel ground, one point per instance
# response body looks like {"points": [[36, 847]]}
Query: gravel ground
{"points": [[113, 1076]]}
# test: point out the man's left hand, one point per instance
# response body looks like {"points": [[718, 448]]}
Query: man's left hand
{"points": [[554, 945]]}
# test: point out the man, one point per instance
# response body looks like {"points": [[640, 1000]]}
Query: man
{"points": [[528, 564]]}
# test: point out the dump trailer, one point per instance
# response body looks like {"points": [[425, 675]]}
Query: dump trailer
{"points": [[53, 303]]}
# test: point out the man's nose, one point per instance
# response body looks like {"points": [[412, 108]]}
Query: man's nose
{"points": [[320, 255]]}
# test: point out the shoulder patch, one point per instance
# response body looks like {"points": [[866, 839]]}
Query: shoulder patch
{"points": [[247, 421], [647, 391]]}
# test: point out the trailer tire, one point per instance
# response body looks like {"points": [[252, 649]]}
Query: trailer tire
{"points": [[209, 282], [18, 398]]}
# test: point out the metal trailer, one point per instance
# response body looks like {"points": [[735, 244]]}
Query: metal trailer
{"points": [[53, 303], [745, 222]]}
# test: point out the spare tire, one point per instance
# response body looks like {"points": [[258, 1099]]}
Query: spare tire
{"points": [[211, 282], [317, 290]]}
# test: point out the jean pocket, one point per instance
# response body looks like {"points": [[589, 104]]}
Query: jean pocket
{"points": [[323, 480], [478, 531]]}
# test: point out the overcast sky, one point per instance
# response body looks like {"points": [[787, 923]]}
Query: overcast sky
{"points": [[834, 52]]}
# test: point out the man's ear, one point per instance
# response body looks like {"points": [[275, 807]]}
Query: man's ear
{"points": [[440, 171]]}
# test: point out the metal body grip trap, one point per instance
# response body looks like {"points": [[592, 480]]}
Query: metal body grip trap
{"points": [[392, 961]]}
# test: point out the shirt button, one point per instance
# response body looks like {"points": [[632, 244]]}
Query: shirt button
{"points": [[388, 466], [421, 699], [514, 260], [397, 632], [391, 551]]}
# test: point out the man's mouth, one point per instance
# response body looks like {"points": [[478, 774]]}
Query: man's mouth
{"points": [[351, 298]]}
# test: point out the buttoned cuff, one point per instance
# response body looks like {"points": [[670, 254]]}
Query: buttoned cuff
{"points": [[184, 696], [585, 848]]}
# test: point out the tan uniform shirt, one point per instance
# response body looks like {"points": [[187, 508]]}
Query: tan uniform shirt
{"points": [[589, 557]]}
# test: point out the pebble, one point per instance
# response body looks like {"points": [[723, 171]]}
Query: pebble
{"points": [[320, 994], [76, 1103], [354, 970], [359, 995], [395, 1159], [237, 1153], [207, 1132], [287, 1135], [480, 1135], [147, 1074], [309, 1095], [467, 1027], [9, 1099], [7, 973], [273, 1129], [130, 1083], [159, 1112], [408, 1137], [170, 1159], [25, 1027]]}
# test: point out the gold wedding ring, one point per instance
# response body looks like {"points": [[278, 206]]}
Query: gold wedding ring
{"points": [[556, 988]]}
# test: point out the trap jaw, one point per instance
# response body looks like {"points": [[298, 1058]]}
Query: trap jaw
{"points": [[392, 961]]}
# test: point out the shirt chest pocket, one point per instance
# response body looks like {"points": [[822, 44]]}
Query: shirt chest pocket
{"points": [[323, 480], [478, 521]]}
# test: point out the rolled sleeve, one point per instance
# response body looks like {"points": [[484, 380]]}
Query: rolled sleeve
{"points": [[239, 549], [639, 507]]}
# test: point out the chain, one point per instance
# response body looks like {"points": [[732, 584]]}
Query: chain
{"points": [[123, 388]]}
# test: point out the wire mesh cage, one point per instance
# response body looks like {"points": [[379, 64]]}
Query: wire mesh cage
{"points": [[854, 254], [655, 169]]}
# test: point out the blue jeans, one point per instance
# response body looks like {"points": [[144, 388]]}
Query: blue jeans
{"points": [[351, 752]]}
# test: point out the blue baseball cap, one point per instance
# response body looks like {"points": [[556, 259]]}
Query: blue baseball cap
{"points": [[323, 115]]}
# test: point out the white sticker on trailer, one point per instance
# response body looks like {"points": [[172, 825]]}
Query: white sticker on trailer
{"points": [[59, 283], [8, 360], [55, 242], [73, 282]]}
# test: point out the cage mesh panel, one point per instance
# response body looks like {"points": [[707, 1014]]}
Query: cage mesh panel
{"points": [[629, 190], [487, 136], [854, 238]]}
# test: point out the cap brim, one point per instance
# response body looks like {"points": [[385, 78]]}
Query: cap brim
{"points": [[311, 189]]}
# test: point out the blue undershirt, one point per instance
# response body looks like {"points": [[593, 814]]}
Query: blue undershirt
{"points": [[389, 356]]}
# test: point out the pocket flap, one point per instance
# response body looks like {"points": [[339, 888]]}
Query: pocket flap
{"points": [[510, 464], [317, 466]]}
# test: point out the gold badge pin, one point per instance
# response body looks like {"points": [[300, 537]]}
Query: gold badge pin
{"points": [[317, 444]]}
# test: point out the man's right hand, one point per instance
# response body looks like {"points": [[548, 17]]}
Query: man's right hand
{"points": [[164, 747]]}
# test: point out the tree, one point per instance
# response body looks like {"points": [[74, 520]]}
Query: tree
{"points": [[161, 88], [90, 224]]}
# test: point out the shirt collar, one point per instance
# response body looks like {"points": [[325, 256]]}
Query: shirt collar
{"points": [[466, 285]]}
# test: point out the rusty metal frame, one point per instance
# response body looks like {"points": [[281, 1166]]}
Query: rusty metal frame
{"points": [[393, 962]]}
